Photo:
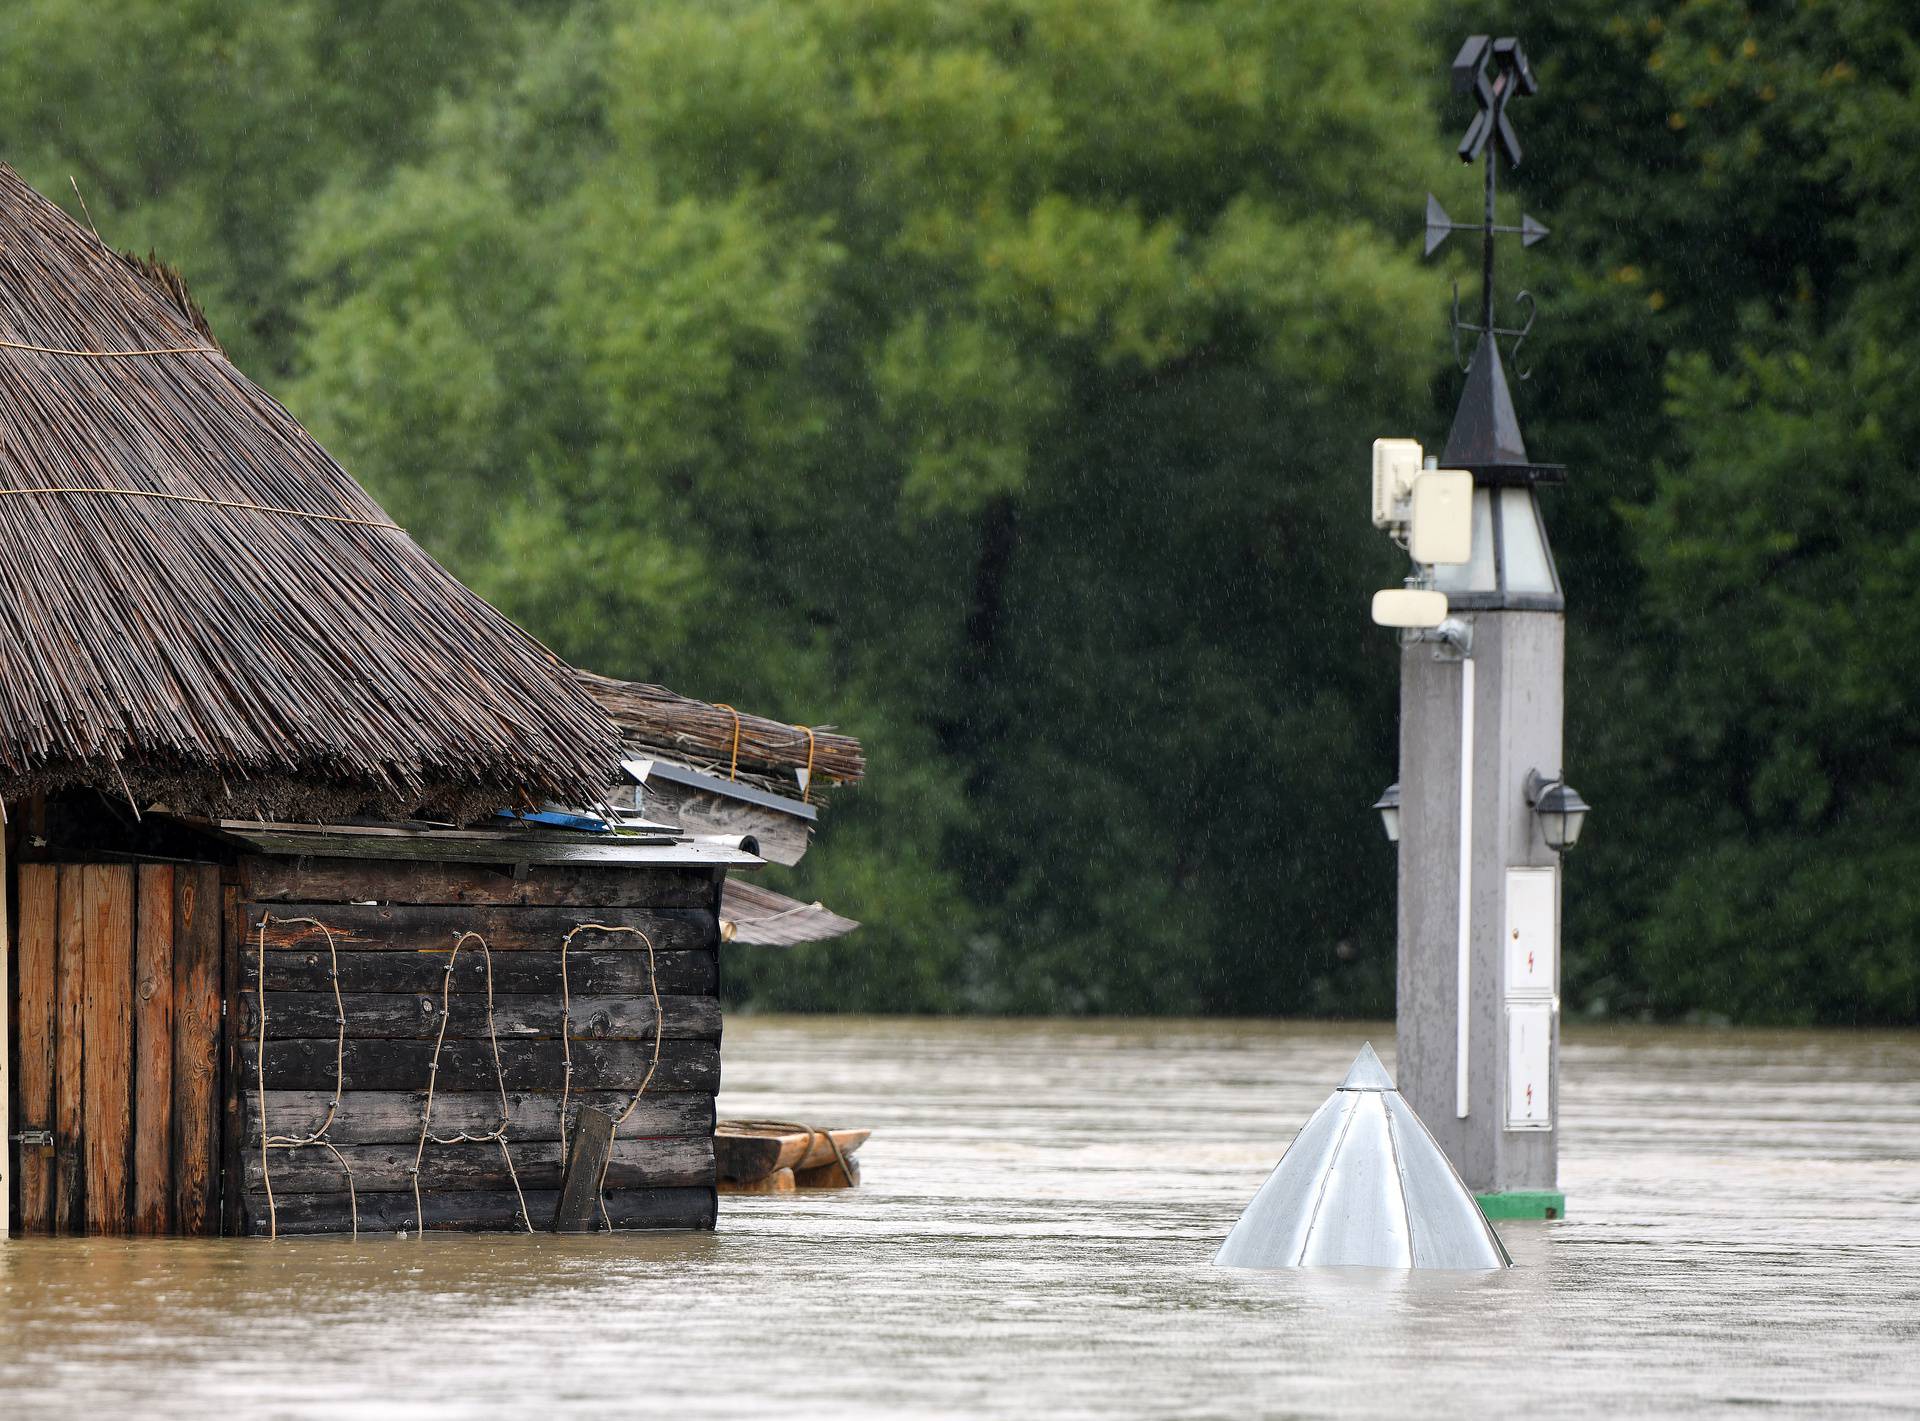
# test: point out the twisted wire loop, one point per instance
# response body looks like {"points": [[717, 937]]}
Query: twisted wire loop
{"points": [[269, 1140], [566, 1049], [498, 1134]]}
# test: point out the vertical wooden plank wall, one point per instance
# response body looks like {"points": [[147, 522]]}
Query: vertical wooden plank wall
{"points": [[33, 1025], [116, 1022], [107, 1059], [195, 1154], [69, 1039], [153, 1051], [8, 1191], [395, 958], [232, 1136]]}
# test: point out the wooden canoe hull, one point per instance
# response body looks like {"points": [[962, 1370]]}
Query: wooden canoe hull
{"points": [[781, 1181], [829, 1176], [746, 1150]]}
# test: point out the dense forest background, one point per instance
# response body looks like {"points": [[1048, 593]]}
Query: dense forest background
{"points": [[996, 380]]}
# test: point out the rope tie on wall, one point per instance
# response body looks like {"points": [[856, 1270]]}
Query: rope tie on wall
{"points": [[498, 1135], [566, 1039], [269, 1140]]}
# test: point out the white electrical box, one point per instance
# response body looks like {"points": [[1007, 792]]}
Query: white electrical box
{"points": [[1529, 1064], [1440, 528], [1409, 607], [1396, 463], [1532, 932]]}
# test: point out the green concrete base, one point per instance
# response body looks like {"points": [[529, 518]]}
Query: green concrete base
{"points": [[1524, 1204]]}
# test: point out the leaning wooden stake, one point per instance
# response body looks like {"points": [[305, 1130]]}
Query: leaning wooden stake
{"points": [[587, 1152]]}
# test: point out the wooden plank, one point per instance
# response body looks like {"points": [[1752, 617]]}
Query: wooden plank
{"points": [[107, 1072], [7, 1152], [346, 881], [241, 829], [469, 1065], [589, 972], [36, 995], [433, 927], [152, 1048], [233, 922], [380, 1169], [389, 1016], [69, 1056], [596, 851], [781, 1181], [377, 1117], [590, 1159], [196, 1050], [748, 1149], [681, 1208], [829, 1176], [754, 915]]}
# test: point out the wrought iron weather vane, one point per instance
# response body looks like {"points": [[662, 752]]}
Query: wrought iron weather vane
{"points": [[1496, 72]]}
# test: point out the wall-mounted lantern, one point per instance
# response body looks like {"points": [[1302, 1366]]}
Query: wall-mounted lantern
{"points": [[1388, 804], [1559, 808]]}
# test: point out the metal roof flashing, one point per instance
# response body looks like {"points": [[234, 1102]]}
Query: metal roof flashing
{"points": [[643, 770], [1364, 1185], [541, 847]]}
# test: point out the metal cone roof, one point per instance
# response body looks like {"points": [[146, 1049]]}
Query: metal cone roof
{"points": [[1363, 1185], [1486, 428], [1367, 1073]]}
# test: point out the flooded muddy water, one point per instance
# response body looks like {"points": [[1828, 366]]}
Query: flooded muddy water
{"points": [[1032, 1239]]}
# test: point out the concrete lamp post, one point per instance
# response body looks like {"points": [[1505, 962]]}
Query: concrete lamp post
{"points": [[1480, 830]]}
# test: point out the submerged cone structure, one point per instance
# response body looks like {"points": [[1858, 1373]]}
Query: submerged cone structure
{"points": [[1363, 1185]]}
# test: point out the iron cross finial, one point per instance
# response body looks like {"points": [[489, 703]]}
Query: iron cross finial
{"points": [[1495, 72]]}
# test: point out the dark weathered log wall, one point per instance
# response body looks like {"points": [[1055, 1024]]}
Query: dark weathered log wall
{"points": [[116, 1024], [377, 1052]]}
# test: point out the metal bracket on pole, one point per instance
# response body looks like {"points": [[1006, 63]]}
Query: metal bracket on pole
{"points": [[1452, 639]]}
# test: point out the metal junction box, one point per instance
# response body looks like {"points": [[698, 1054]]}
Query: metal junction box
{"points": [[1532, 932], [1529, 1054], [1532, 948]]}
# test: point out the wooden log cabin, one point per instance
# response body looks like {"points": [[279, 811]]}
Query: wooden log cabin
{"points": [[274, 964], [253, 1028]]}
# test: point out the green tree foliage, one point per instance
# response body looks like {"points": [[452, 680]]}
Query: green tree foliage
{"points": [[1734, 287], [203, 129], [996, 380], [989, 379]]}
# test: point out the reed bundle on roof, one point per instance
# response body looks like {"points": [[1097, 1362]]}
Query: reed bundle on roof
{"points": [[706, 733], [197, 603]]}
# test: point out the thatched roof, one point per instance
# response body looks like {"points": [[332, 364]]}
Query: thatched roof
{"points": [[715, 737], [295, 652]]}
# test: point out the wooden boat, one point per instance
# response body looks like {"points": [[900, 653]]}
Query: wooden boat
{"points": [[829, 1176], [781, 1181], [749, 1150]]}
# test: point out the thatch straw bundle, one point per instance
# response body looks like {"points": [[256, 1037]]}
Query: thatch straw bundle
{"points": [[707, 734], [295, 648]]}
